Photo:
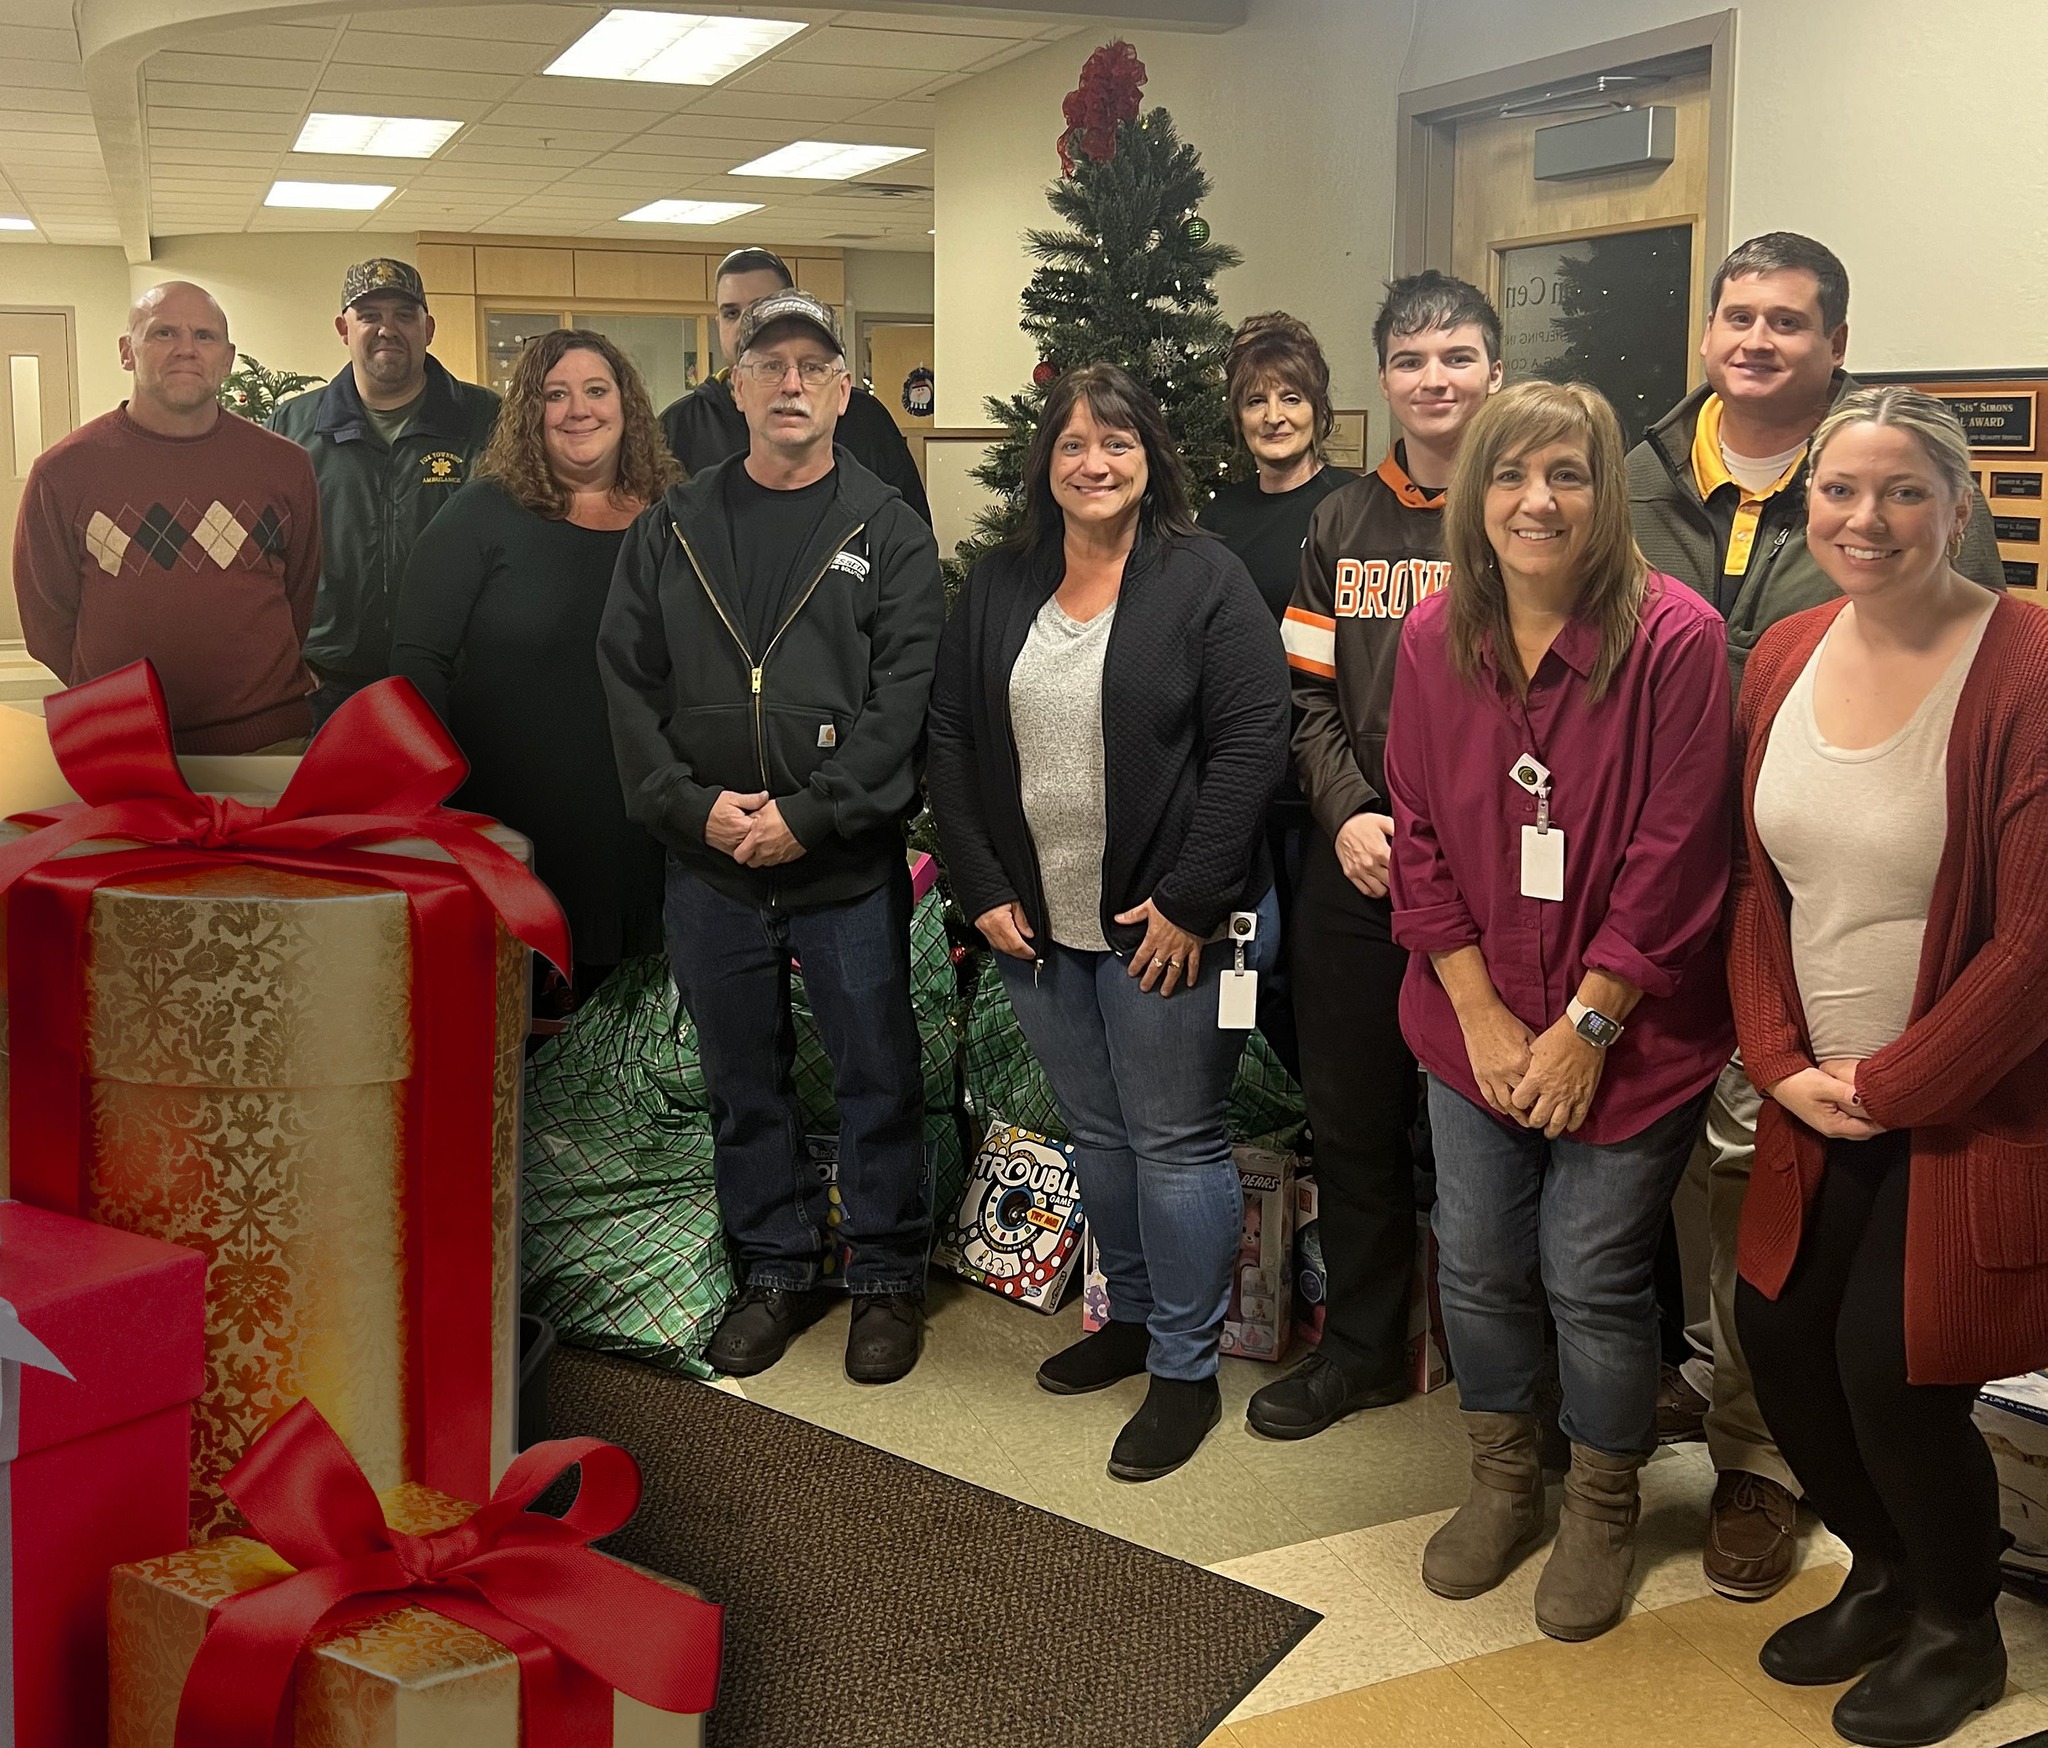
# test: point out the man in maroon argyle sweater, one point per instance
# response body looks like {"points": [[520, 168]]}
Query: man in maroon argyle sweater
{"points": [[173, 530]]}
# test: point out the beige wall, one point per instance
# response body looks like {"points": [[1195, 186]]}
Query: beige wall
{"points": [[93, 285], [1293, 114], [281, 290], [889, 282], [1867, 123]]}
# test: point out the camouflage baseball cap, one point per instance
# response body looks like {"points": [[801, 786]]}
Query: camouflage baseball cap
{"points": [[382, 273], [789, 305]]}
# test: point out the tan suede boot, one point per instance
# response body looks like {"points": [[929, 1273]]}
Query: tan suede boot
{"points": [[1503, 1517], [1584, 1586]]}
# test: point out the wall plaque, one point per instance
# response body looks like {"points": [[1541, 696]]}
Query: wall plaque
{"points": [[2025, 530], [1995, 421], [2015, 485], [2020, 574]]}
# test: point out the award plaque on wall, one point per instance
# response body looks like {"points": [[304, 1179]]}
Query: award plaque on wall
{"points": [[2001, 413]]}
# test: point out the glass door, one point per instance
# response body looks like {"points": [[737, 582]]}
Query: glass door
{"points": [[671, 350]]}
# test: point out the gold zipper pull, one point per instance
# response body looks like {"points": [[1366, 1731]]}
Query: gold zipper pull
{"points": [[757, 680]]}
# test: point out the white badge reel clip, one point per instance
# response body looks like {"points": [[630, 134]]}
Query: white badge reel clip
{"points": [[1237, 998], [1542, 843]]}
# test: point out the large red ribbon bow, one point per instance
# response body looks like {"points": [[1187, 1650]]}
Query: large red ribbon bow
{"points": [[580, 1624], [375, 774]]}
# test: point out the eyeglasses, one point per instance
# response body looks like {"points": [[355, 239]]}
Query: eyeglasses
{"points": [[816, 372]]}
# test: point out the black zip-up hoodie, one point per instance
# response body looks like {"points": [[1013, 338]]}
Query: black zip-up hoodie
{"points": [[828, 715], [1194, 736]]}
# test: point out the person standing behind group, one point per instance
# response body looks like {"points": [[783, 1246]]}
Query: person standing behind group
{"points": [[1890, 948], [392, 439], [1373, 553], [706, 426], [1278, 384], [1109, 721], [172, 530], [767, 652], [1718, 493], [1558, 754], [497, 625]]}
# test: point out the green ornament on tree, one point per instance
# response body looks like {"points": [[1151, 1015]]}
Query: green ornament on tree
{"points": [[1196, 230]]}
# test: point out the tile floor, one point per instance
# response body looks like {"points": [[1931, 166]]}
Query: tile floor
{"points": [[1337, 1523]]}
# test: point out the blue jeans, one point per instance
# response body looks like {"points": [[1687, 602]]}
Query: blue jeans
{"points": [[1143, 1082], [1521, 1219], [732, 963]]}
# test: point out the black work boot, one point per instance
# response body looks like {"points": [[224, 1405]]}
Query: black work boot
{"points": [[1943, 1672], [758, 1326], [1316, 1394], [1838, 1641], [1113, 1353], [883, 1339], [1167, 1430]]}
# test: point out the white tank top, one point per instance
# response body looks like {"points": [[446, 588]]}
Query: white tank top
{"points": [[1857, 836]]}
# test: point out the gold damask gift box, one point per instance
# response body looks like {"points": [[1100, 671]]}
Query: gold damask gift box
{"points": [[260, 1068], [409, 1679]]}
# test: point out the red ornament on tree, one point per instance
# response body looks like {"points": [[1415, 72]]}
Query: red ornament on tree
{"points": [[1111, 80], [1044, 371]]}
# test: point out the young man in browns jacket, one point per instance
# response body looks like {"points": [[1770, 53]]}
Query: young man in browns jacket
{"points": [[1373, 551]]}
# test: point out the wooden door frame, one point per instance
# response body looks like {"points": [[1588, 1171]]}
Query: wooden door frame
{"points": [[1426, 129]]}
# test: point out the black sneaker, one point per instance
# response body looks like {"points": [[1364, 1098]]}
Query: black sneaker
{"points": [[1316, 1394], [1113, 1353], [758, 1327], [883, 1339], [1167, 1430]]}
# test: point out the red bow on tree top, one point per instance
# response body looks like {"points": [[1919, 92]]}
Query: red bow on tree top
{"points": [[1107, 97], [580, 1624]]}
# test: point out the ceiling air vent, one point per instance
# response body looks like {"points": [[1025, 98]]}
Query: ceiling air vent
{"points": [[886, 190]]}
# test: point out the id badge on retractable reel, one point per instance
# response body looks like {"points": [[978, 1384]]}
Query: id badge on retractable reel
{"points": [[1542, 843]]}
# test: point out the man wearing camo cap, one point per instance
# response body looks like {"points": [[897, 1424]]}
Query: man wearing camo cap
{"points": [[391, 438]]}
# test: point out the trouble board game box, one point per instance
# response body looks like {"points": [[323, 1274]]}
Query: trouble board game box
{"points": [[1259, 1324], [2012, 1414], [1019, 1227]]}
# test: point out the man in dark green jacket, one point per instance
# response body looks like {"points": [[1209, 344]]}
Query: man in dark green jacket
{"points": [[391, 438], [767, 654], [706, 425], [1717, 492]]}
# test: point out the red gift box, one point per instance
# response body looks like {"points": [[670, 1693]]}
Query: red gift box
{"points": [[101, 1473]]}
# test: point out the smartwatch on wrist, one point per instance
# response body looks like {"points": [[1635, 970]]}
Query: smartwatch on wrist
{"points": [[1596, 1028]]}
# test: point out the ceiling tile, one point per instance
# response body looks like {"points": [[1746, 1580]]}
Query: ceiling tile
{"points": [[806, 79], [178, 158], [35, 100], [903, 21], [537, 24], [550, 118], [885, 48], [48, 75], [560, 139], [775, 106], [233, 70], [45, 14], [605, 94], [412, 83], [256, 99], [27, 43], [370, 48], [284, 42]]}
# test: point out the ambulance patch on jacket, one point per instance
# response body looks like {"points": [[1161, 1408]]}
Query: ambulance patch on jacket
{"points": [[851, 563]]}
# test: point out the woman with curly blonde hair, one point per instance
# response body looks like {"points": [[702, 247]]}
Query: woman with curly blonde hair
{"points": [[497, 625]]}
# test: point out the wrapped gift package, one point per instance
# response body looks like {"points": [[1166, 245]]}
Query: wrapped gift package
{"points": [[100, 1456], [1018, 1230], [407, 1679], [1259, 1324], [2012, 1414], [266, 1067]]}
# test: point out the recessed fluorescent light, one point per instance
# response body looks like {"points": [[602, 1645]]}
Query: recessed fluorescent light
{"points": [[826, 160], [689, 212], [375, 136], [9, 222], [669, 48], [340, 196]]}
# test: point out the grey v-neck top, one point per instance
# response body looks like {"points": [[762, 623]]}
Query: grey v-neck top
{"points": [[1056, 721]]}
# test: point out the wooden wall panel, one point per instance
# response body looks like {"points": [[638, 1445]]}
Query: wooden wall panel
{"points": [[640, 275], [823, 279], [549, 273], [456, 341], [446, 266]]}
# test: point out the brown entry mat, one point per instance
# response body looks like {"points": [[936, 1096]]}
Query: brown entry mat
{"points": [[874, 1603]]}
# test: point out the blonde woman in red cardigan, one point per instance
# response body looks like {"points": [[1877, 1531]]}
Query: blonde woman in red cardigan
{"points": [[1888, 965]]}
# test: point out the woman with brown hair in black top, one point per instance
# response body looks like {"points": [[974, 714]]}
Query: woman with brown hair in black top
{"points": [[497, 626]]}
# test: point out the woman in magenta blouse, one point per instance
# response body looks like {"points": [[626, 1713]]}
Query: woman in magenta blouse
{"points": [[1559, 764]]}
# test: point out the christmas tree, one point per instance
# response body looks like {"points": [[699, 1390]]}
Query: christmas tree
{"points": [[1130, 280]]}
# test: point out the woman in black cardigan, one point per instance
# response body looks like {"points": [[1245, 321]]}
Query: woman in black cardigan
{"points": [[1109, 719]]}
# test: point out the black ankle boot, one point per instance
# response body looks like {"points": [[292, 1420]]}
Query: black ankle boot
{"points": [[1837, 1642], [1169, 1429], [1943, 1672], [1113, 1353]]}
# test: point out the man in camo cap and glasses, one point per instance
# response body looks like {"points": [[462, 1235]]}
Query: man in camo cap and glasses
{"points": [[391, 438]]}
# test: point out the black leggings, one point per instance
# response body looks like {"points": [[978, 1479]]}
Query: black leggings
{"points": [[1897, 1470]]}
